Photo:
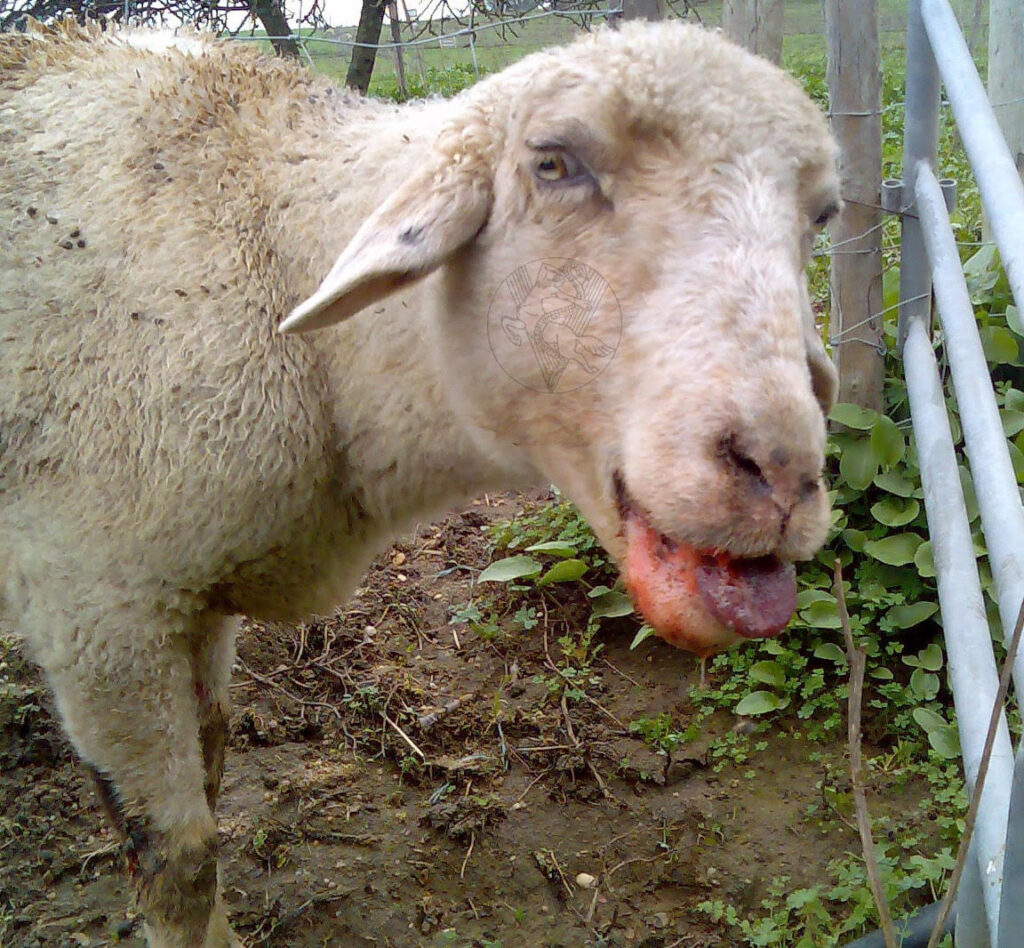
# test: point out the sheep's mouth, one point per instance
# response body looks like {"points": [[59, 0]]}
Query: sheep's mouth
{"points": [[701, 599]]}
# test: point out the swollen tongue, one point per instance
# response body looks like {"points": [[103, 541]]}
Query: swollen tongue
{"points": [[702, 601]]}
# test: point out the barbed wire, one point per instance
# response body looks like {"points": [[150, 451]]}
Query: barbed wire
{"points": [[836, 339], [434, 39]]}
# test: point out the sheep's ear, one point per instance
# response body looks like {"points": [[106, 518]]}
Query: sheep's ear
{"points": [[824, 377], [416, 230]]}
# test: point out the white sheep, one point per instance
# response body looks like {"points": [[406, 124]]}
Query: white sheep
{"points": [[586, 269]]}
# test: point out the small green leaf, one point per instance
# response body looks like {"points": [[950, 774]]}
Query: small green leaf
{"points": [[830, 652], [895, 512], [881, 673], [822, 615], [760, 702], [897, 550], [858, 463], [896, 483], [567, 571], [930, 658], [1013, 421], [611, 605], [768, 673], [642, 634], [553, 547], [981, 260], [853, 416], [924, 684], [512, 567], [923, 560], [945, 741], [887, 442], [1017, 459], [999, 344], [928, 719], [942, 737], [970, 498], [806, 596], [855, 539], [1013, 320], [906, 617], [890, 288], [1014, 399]]}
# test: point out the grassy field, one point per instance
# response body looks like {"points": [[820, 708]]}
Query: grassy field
{"points": [[499, 46]]}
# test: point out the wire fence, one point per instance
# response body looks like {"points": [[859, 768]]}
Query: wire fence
{"points": [[491, 34], [464, 35], [500, 37]]}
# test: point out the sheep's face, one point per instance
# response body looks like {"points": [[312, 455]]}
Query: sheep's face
{"points": [[623, 306]]}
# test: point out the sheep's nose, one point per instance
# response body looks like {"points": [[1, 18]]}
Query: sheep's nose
{"points": [[770, 473]]}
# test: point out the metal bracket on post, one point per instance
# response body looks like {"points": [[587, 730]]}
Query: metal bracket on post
{"points": [[948, 186], [920, 144], [892, 195], [895, 199]]}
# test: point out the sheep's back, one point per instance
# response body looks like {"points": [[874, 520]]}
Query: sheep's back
{"points": [[144, 392]]}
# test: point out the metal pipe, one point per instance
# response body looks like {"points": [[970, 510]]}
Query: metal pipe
{"points": [[972, 929], [920, 143], [1002, 514], [972, 667], [1011, 914], [912, 931], [1002, 192]]}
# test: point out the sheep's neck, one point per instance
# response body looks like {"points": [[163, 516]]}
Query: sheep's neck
{"points": [[396, 434], [397, 444]]}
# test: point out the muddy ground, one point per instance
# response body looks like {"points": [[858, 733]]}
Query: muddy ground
{"points": [[396, 780]]}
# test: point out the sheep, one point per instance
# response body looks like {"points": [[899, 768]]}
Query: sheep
{"points": [[586, 270]]}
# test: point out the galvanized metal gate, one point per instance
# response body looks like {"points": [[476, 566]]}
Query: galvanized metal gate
{"points": [[990, 903]]}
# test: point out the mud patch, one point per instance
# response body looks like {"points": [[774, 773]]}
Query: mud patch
{"points": [[396, 780]]}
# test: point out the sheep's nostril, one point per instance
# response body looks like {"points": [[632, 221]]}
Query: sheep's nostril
{"points": [[809, 488], [744, 464]]}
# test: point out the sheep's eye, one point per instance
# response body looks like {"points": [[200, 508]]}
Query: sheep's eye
{"points": [[826, 215], [558, 167]]}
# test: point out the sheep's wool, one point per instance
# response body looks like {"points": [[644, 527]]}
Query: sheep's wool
{"points": [[585, 270]]}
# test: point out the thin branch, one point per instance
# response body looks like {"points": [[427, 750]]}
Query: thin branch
{"points": [[856, 659]]}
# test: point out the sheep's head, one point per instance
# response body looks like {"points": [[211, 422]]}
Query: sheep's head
{"points": [[622, 227]]}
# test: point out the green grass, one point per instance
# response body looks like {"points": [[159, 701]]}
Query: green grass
{"points": [[499, 47]]}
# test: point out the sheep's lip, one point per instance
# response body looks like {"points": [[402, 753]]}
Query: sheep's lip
{"points": [[701, 600]]}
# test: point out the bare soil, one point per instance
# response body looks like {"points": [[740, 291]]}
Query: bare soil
{"points": [[395, 780]]}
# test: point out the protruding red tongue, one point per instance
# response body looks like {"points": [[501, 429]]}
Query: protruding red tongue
{"points": [[755, 597], [700, 601]]}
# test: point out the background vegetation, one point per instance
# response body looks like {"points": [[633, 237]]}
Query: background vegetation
{"points": [[798, 682]]}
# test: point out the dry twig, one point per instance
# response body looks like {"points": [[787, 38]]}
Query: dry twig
{"points": [[856, 659], [302, 702], [405, 737], [469, 852], [429, 720]]}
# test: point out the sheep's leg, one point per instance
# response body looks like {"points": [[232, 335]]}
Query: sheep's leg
{"points": [[211, 671], [129, 704]]}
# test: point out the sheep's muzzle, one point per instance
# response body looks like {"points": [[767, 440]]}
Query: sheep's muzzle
{"points": [[701, 600]]}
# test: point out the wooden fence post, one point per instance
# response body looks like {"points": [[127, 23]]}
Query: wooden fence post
{"points": [[855, 93], [1006, 72], [396, 39], [756, 25], [643, 10]]}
